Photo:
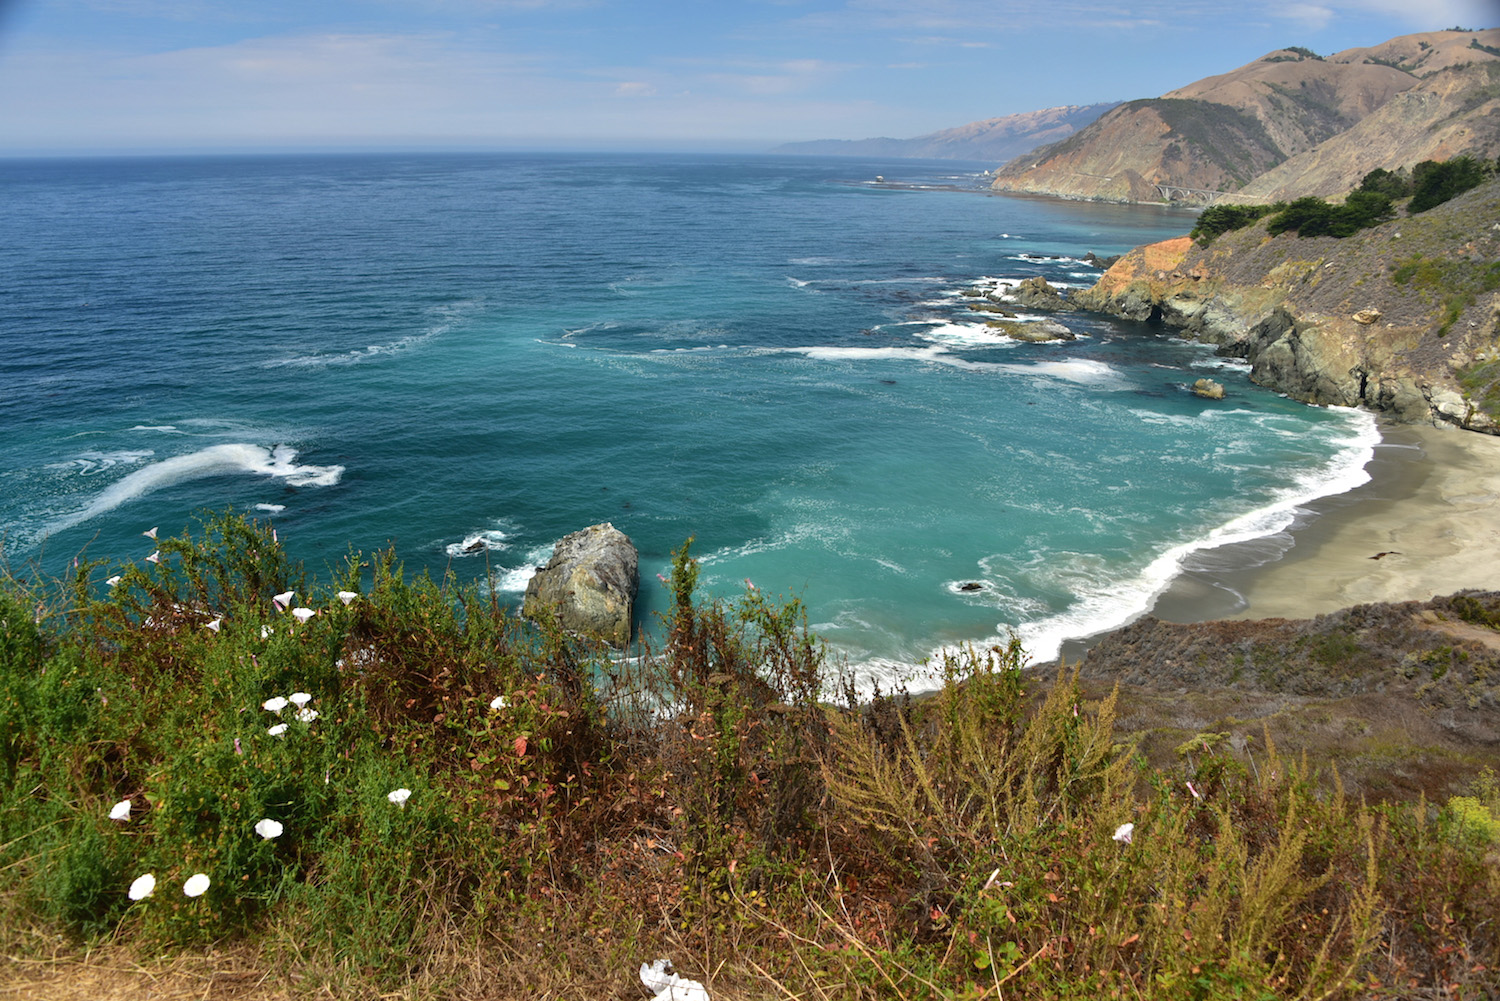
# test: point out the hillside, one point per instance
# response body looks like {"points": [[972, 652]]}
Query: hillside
{"points": [[1288, 124], [992, 139], [1400, 318]]}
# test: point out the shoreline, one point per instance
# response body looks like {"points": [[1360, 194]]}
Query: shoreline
{"points": [[1430, 504]]}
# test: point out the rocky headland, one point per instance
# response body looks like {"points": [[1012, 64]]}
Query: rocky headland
{"points": [[1400, 318]]}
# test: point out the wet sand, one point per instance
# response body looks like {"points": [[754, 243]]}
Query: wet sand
{"points": [[1430, 506]]}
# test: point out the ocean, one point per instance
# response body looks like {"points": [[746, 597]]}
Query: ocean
{"points": [[468, 356]]}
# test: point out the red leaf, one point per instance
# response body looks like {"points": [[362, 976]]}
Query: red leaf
{"points": [[520, 747]]}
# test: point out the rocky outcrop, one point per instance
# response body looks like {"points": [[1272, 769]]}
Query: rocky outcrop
{"points": [[1208, 389], [1400, 318], [1035, 331], [589, 584], [1037, 293]]}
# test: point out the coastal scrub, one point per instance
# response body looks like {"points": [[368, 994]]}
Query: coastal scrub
{"points": [[723, 800]]}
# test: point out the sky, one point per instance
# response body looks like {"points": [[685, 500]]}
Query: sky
{"points": [[126, 76]]}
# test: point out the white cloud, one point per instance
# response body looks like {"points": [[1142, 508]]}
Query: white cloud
{"points": [[634, 88]]}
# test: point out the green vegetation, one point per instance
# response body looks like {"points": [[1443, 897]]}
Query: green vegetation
{"points": [[704, 801], [1455, 283], [1312, 216], [1428, 185], [1217, 219], [1434, 183]]}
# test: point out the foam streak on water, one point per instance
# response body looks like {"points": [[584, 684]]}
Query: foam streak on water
{"points": [[216, 460]]}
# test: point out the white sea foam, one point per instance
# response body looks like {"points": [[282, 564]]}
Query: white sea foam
{"points": [[935, 354], [969, 335], [163, 428], [271, 508], [1080, 370], [513, 580], [217, 460], [489, 540], [89, 463], [1109, 604], [797, 282]]}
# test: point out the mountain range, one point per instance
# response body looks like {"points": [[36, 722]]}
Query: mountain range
{"points": [[993, 140], [1289, 124]]}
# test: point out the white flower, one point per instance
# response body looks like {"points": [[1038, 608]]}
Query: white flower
{"points": [[277, 730], [155, 557], [498, 702], [214, 625], [303, 614], [282, 600], [265, 631], [142, 887], [399, 797], [268, 829], [306, 715], [348, 596], [1123, 833], [196, 885], [149, 533], [300, 699], [120, 811], [112, 581], [274, 705]]}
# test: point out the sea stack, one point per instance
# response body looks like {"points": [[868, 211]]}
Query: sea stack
{"points": [[590, 583]]}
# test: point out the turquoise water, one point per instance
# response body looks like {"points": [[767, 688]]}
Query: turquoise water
{"points": [[771, 355]]}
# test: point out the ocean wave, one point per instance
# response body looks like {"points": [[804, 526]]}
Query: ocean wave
{"points": [[936, 354], [968, 335], [217, 460], [1084, 371], [489, 540], [271, 508], [513, 580], [1101, 604]]}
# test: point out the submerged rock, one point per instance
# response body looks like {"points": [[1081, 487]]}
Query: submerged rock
{"points": [[1035, 330], [590, 583], [1208, 389]]}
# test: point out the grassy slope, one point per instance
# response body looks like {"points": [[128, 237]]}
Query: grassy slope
{"points": [[703, 803]]}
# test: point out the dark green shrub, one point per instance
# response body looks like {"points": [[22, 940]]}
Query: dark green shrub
{"points": [[1218, 219], [1392, 184], [1309, 216], [1434, 183]]}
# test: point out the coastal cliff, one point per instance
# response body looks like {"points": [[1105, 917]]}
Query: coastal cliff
{"points": [[1400, 318]]}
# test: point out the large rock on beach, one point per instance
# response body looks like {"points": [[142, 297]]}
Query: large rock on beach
{"points": [[590, 583]]}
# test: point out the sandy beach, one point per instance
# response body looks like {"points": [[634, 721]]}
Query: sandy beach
{"points": [[1430, 507]]}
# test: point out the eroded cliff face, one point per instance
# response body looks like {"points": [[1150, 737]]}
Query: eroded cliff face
{"points": [[1379, 320]]}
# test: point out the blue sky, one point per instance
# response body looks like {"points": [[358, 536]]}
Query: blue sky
{"points": [[141, 75]]}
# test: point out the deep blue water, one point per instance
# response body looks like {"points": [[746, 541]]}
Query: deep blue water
{"points": [[769, 354]]}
